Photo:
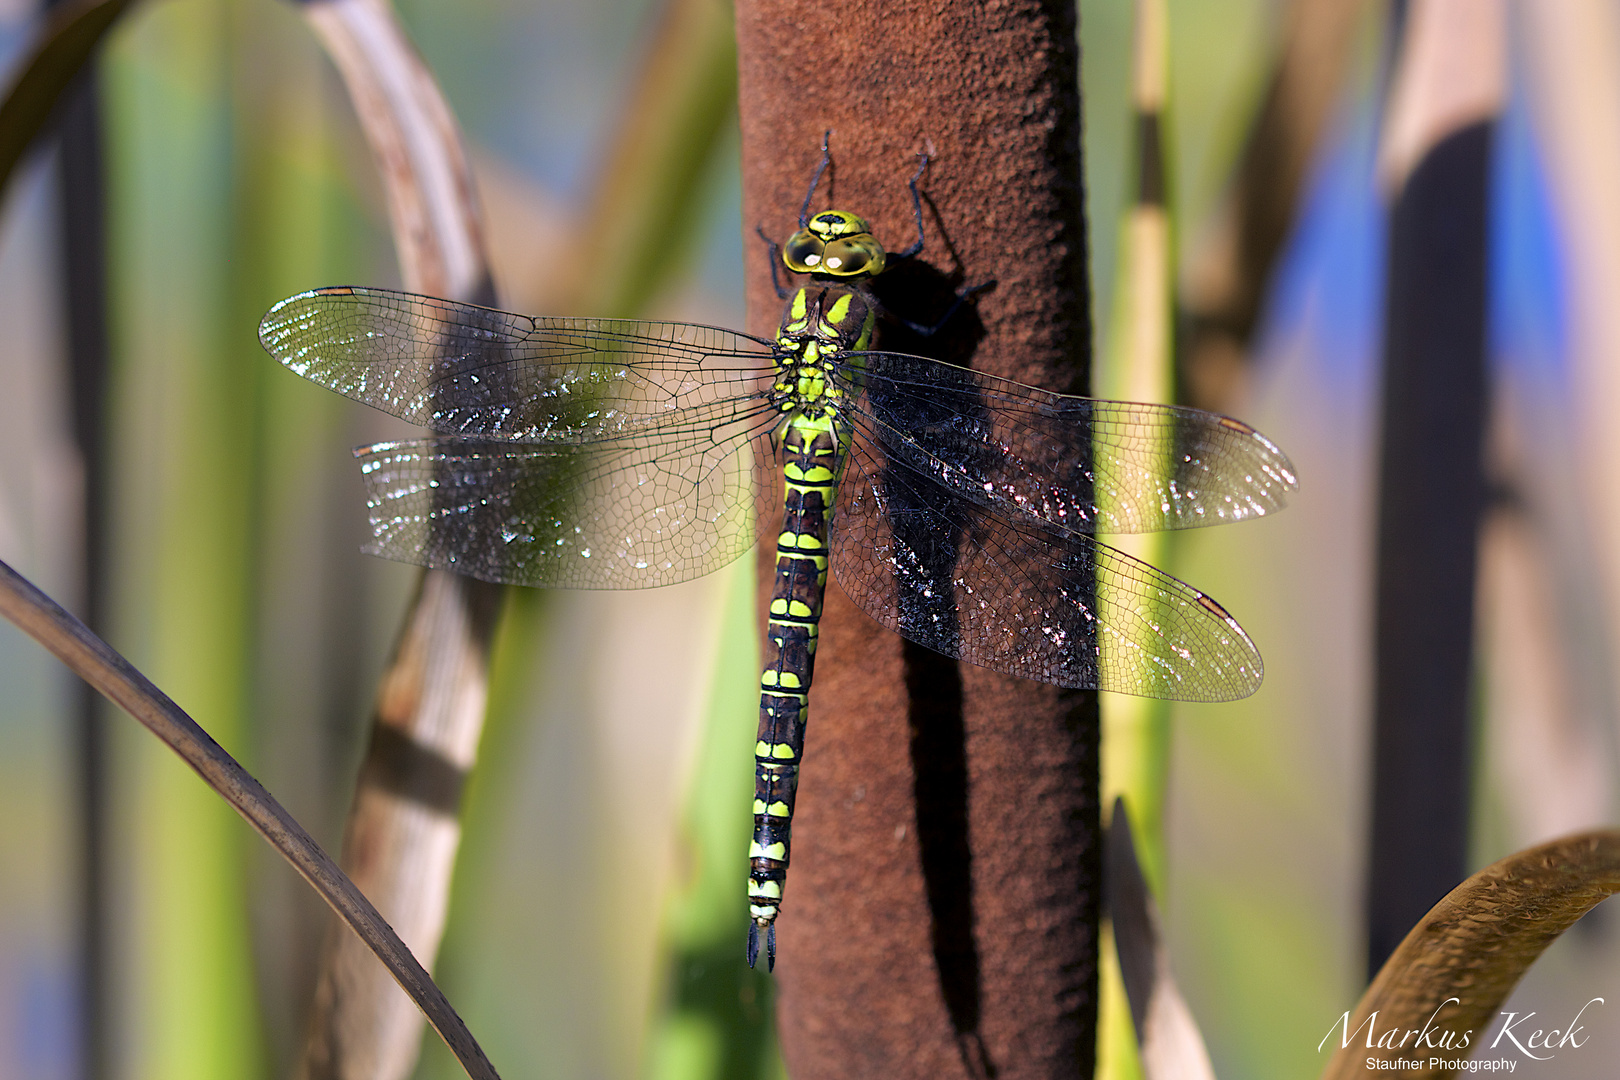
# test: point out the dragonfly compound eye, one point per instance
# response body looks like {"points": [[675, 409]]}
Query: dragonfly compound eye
{"points": [[853, 256], [1012, 468], [831, 224], [802, 252]]}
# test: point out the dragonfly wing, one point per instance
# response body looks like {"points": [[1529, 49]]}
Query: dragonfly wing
{"points": [[480, 373], [1075, 463], [623, 514], [999, 591]]}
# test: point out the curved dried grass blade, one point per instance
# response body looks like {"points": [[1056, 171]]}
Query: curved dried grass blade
{"points": [[98, 664], [432, 201], [400, 840], [1476, 943], [65, 45]]}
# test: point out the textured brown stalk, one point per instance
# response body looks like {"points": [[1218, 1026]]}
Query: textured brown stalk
{"points": [[95, 661], [941, 916], [1227, 273], [1475, 944], [403, 831]]}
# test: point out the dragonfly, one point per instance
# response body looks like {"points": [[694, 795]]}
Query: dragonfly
{"points": [[956, 508]]}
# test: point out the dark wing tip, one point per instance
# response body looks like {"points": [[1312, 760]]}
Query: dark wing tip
{"points": [[372, 450], [330, 290], [1209, 604], [1253, 672]]}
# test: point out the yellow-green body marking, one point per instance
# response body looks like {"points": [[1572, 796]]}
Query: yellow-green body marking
{"points": [[823, 323], [964, 502]]}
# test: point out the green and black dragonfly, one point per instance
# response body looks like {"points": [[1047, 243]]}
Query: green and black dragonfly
{"points": [[956, 508]]}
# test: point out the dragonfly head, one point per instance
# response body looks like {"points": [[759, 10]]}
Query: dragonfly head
{"points": [[834, 244]]}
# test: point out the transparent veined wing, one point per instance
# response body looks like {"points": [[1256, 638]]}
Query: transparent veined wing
{"points": [[615, 514], [480, 373], [1004, 592], [1074, 462]]}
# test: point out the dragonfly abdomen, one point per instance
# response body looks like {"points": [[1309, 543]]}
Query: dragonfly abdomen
{"points": [[606, 453], [810, 451]]}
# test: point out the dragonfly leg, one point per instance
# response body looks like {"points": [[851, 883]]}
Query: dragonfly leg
{"points": [[826, 159], [929, 330], [916, 208], [782, 291], [962, 295]]}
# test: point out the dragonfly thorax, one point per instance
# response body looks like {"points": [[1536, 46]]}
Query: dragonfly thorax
{"points": [[839, 317], [616, 453], [834, 243], [822, 327]]}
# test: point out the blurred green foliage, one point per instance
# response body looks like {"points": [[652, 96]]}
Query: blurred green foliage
{"points": [[583, 939], [226, 190]]}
